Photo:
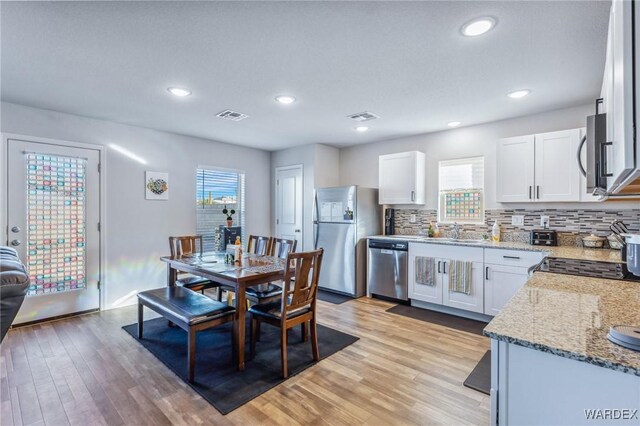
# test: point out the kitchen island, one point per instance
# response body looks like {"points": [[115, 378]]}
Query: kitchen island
{"points": [[551, 360]]}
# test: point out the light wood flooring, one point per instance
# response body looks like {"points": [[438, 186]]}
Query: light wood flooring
{"points": [[86, 370]]}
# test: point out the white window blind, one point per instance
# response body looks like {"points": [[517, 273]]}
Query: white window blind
{"points": [[461, 184], [215, 191]]}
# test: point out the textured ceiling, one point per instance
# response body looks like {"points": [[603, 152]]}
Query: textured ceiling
{"points": [[405, 61]]}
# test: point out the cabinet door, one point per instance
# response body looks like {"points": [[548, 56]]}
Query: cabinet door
{"points": [[425, 293], [401, 178], [501, 283], [620, 156], [515, 171], [557, 176], [474, 301]]}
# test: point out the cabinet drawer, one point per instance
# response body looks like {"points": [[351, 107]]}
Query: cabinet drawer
{"points": [[520, 258]]}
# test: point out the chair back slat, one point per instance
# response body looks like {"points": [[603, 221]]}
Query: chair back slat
{"points": [[259, 245], [281, 247], [301, 278], [189, 244]]}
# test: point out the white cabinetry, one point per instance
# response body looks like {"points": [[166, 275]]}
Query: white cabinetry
{"points": [[538, 168], [506, 271], [618, 94], [401, 178], [439, 293], [515, 174]]}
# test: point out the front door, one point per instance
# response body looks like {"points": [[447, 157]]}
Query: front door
{"points": [[289, 204], [53, 200]]}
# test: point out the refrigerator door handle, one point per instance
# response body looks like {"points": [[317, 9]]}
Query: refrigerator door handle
{"points": [[316, 222]]}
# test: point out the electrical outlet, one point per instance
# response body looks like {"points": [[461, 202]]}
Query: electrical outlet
{"points": [[544, 222], [517, 220], [412, 219]]}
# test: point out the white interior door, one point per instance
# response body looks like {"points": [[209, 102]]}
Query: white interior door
{"points": [[53, 214], [289, 197]]}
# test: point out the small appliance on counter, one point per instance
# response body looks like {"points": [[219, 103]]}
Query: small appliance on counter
{"points": [[543, 237], [389, 219], [633, 253]]}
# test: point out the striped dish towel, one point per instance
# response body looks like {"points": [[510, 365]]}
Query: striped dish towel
{"points": [[460, 276], [425, 270]]}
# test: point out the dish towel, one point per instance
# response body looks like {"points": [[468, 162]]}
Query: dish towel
{"points": [[425, 270], [460, 276]]}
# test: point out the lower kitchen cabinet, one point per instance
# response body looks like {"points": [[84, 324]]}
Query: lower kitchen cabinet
{"points": [[501, 283], [469, 302]]}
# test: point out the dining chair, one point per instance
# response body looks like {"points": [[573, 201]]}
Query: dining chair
{"points": [[297, 304], [259, 245], [191, 244], [281, 247], [270, 292]]}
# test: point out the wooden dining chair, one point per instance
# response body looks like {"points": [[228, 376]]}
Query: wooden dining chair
{"points": [[270, 292], [191, 244], [297, 306], [259, 245], [281, 247]]}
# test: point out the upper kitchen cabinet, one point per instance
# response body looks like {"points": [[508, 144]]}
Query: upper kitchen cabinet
{"points": [[514, 177], [538, 168], [401, 178], [618, 95], [557, 176]]}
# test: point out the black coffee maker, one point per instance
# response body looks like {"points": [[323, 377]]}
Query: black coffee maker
{"points": [[389, 216]]}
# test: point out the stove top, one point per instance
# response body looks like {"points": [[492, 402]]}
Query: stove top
{"points": [[587, 268]]}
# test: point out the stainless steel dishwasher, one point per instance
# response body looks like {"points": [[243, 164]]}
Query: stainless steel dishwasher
{"points": [[387, 272]]}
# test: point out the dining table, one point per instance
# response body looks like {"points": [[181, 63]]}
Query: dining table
{"points": [[253, 270]]}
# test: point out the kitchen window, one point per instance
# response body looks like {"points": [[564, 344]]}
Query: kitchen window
{"points": [[461, 195], [217, 189]]}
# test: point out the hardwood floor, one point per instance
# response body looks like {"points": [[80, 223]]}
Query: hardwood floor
{"points": [[86, 370]]}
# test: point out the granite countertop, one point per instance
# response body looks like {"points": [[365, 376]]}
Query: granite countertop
{"points": [[567, 252], [570, 316]]}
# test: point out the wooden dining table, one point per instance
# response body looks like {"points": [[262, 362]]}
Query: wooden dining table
{"points": [[253, 270]]}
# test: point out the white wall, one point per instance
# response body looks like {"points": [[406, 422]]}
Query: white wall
{"points": [[359, 164], [320, 169], [136, 230]]}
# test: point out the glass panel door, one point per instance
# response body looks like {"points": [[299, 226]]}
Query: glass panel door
{"points": [[53, 215]]}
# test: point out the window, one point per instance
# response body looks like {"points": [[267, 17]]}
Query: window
{"points": [[215, 191], [461, 196]]}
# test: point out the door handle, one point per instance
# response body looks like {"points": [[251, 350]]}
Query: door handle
{"points": [[580, 166], [15, 243], [439, 262], [486, 273], [511, 257], [297, 230], [444, 267], [530, 188], [538, 192], [15, 229], [413, 195]]}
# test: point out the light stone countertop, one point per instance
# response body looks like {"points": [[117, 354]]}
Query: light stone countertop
{"points": [[570, 316], [567, 252]]}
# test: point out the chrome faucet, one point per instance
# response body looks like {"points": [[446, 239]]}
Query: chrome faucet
{"points": [[455, 229]]}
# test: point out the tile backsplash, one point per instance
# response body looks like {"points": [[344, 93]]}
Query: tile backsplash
{"points": [[569, 223]]}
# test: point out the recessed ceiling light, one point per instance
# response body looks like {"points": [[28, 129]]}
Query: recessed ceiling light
{"points": [[178, 91], [285, 99], [517, 94], [362, 128], [478, 26], [454, 123]]}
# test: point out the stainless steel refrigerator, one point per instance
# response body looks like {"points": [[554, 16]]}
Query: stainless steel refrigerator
{"points": [[343, 218]]}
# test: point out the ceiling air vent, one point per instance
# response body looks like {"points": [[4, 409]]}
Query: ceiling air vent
{"points": [[227, 114], [363, 116]]}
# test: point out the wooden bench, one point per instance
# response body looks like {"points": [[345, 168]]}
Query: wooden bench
{"points": [[186, 309]]}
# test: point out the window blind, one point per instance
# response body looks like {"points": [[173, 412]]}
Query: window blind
{"points": [[465, 173]]}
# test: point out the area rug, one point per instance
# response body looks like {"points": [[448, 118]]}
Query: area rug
{"points": [[331, 297], [451, 321], [216, 377], [480, 377]]}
